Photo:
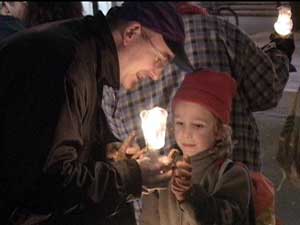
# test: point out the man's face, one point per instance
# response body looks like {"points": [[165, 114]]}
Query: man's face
{"points": [[144, 56]]}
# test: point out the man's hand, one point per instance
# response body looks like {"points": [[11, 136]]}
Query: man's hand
{"points": [[128, 149], [285, 44], [156, 170], [182, 180]]}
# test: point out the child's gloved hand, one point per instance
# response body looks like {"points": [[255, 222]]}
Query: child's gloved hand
{"points": [[181, 182]]}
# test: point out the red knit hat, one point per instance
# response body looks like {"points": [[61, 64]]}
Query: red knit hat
{"points": [[185, 8], [213, 90]]}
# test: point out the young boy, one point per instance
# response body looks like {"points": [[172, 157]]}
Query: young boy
{"points": [[207, 188]]}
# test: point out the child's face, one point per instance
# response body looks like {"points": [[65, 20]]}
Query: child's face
{"points": [[195, 127]]}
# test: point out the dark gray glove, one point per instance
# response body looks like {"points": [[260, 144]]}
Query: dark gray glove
{"points": [[285, 44], [156, 170]]}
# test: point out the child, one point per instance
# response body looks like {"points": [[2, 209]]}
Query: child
{"points": [[207, 188]]}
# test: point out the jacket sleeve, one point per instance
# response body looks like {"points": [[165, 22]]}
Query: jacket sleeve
{"points": [[263, 74], [43, 122], [92, 184], [227, 205]]}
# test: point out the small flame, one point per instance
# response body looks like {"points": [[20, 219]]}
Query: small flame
{"points": [[154, 127], [284, 24]]}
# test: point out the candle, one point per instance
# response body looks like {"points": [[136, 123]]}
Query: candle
{"points": [[283, 26], [154, 127]]}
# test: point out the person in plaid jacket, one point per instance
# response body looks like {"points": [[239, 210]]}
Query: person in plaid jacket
{"points": [[261, 75]]}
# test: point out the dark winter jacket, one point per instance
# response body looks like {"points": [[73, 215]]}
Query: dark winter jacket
{"points": [[9, 25], [53, 131]]}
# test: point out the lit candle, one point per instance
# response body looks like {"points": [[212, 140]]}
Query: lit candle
{"points": [[284, 24], [154, 127]]}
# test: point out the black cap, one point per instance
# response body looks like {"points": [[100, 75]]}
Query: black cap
{"points": [[162, 18]]}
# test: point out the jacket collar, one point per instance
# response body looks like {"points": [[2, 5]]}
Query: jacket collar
{"points": [[108, 70], [203, 162]]}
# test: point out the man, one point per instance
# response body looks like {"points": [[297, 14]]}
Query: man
{"points": [[53, 168], [10, 23], [218, 45]]}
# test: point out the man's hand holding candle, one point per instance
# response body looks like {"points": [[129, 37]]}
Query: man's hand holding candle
{"points": [[156, 170], [128, 149]]}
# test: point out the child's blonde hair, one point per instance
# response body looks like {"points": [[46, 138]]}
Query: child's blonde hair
{"points": [[224, 144]]}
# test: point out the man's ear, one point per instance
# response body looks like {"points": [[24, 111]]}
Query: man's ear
{"points": [[131, 33]]}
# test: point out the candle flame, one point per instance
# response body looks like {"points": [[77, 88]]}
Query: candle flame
{"points": [[284, 24], [154, 127]]}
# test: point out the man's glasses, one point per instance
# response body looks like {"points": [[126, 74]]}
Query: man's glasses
{"points": [[160, 59]]}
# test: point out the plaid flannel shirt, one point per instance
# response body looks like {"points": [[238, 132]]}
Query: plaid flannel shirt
{"points": [[218, 45]]}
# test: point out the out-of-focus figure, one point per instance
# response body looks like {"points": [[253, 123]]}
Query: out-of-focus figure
{"points": [[43, 12], [16, 16], [10, 14]]}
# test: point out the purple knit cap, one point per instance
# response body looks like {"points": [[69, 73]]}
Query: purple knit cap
{"points": [[162, 18]]}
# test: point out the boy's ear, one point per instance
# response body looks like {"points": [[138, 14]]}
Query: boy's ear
{"points": [[220, 132], [131, 33]]}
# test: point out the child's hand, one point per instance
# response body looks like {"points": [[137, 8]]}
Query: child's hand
{"points": [[182, 179]]}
